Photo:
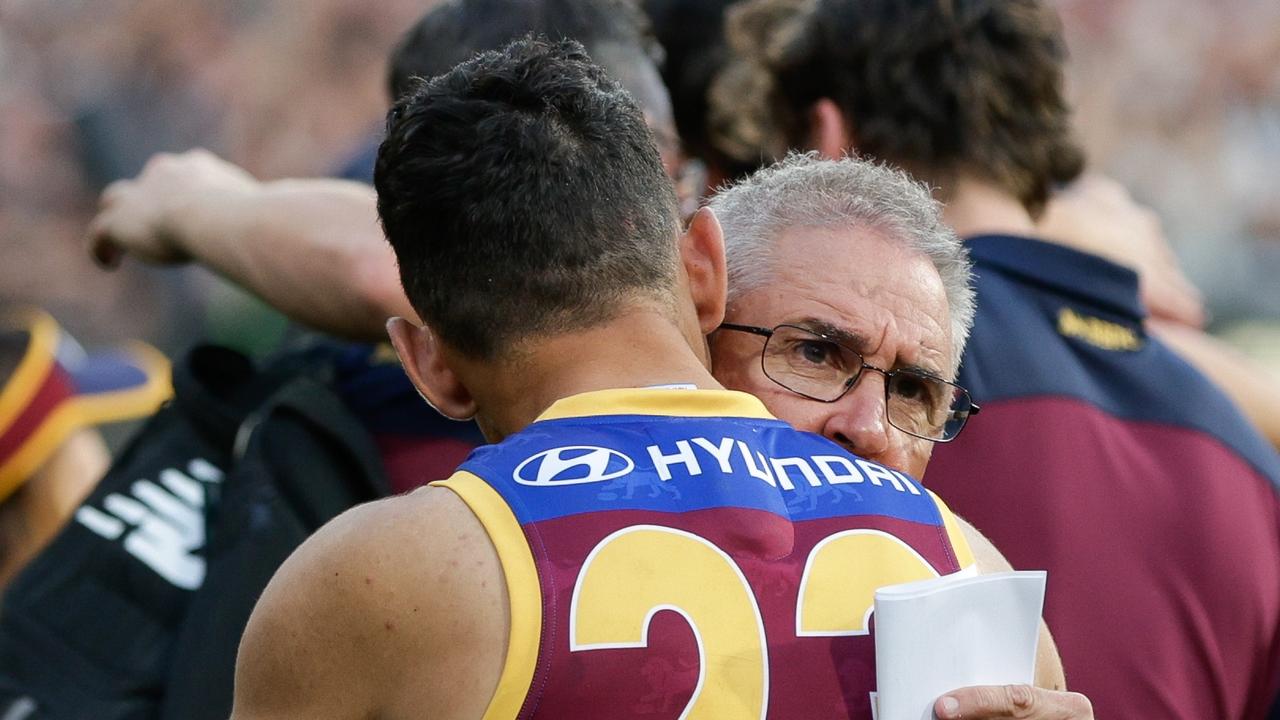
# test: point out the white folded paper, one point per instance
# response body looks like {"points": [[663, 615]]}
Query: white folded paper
{"points": [[938, 635]]}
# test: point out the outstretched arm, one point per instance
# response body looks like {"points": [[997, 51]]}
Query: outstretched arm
{"points": [[312, 248]]}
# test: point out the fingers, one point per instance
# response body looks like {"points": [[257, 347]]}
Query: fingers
{"points": [[98, 240], [1103, 188], [1169, 295], [104, 252], [1020, 702], [1096, 214], [133, 214]]}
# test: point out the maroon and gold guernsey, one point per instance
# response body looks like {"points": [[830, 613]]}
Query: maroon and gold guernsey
{"points": [[682, 554]]}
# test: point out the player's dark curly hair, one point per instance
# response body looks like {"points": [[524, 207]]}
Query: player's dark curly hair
{"points": [[940, 87], [523, 195]]}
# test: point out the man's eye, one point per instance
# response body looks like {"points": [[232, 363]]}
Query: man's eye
{"points": [[909, 387], [817, 353]]}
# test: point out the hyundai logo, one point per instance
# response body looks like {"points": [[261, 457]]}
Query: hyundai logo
{"points": [[573, 465]]}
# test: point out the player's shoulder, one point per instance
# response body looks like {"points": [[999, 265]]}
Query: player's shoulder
{"points": [[393, 541], [368, 566], [361, 601]]}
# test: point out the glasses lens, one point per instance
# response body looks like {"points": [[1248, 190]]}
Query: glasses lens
{"points": [[809, 364], [926, 406]]}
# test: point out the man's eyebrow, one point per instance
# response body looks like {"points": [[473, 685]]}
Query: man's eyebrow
{"points": [[857, 342], [841, 335]]}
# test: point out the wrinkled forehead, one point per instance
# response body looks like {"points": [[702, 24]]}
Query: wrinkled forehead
{"points": [[873, 290]]}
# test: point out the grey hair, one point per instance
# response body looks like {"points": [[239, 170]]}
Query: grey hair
{"points": [[805, 191]]}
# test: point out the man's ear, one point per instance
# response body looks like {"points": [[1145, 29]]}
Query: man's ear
{"points": [[829, 133], [702, 253], [423, 359]]}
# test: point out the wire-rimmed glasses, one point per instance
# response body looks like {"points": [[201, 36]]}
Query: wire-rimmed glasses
{"points": [[820, 368]]}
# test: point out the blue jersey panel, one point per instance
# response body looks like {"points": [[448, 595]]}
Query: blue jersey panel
{"points": [[556, 468]]}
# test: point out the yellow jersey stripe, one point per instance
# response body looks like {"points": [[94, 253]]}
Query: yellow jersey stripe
{"points": [[32, 369], [960, 545], [36, 449], [132, 402], [658, 401], [524, 592]]}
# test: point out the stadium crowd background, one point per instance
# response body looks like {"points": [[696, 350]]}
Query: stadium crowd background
{"points": [[1182, 106]]}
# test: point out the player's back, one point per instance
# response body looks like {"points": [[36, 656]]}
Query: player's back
{"points": [[672, 553]]}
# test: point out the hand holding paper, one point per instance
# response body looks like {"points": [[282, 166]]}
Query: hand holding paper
{"points": [[935, 636]]}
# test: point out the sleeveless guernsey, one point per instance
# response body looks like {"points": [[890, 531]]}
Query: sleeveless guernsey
{"points": [[682, 554]]}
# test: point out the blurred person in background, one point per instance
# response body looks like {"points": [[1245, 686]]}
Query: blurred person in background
{"points": [[45, 189], [278, 238], [1102, 457], [1094, 214], [53, 397]]}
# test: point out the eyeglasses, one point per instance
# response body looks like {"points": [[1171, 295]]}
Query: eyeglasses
{"points": [[820, 368]]}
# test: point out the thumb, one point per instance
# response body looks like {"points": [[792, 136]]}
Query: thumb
{"points": [[106, 253]]}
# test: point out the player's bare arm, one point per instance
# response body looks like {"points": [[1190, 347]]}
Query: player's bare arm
{"points": [[291, 242], [394, 608]]}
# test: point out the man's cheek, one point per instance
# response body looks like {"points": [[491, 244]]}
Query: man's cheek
{"points": [[917, 459]]}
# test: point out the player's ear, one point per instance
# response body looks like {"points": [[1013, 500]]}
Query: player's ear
{"points": [[829, 132], [702, 253], [423, 359]]}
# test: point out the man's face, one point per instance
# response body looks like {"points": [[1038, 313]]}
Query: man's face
{"points": [[881, 299]]}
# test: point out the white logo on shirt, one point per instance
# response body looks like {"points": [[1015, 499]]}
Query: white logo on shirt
{"points": [[573, 465], [165, 522]]}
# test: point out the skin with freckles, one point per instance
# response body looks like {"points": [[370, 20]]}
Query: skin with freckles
{"points": [[893, 311]]}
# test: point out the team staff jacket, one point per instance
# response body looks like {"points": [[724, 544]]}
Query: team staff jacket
{"points": [[1113, 464], [681, 553]]}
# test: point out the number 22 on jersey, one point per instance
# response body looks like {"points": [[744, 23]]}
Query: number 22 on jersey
{"points": [[638, 571]]}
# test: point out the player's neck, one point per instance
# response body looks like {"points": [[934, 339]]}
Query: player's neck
{"points": [[640, 349], [975, 207]]}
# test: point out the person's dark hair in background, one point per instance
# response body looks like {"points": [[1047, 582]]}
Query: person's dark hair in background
{"points": [[692, 34], [891, 67], [466, 181], [615, 34]]}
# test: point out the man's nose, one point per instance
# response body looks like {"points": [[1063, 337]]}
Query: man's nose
{"points": [[857, 420]]}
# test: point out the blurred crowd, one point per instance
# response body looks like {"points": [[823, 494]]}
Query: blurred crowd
{"points": [[1182, 107], [90, 90]]}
